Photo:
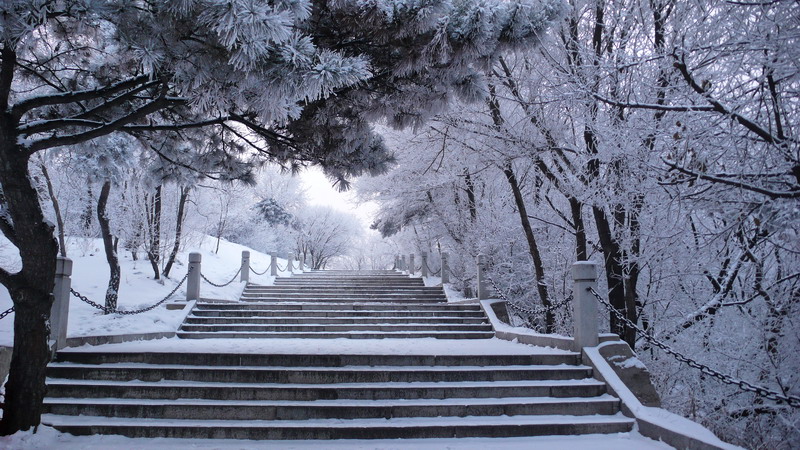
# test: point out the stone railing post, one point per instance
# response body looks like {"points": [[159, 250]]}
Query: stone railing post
{"points": [[445, 268], [483, 286], [59, 312], [273, 264], [290, 262], [403, 263], [396, 262], [193, 282], [424, 264], [302, 262], [584, 275], [412, 267], [245, 271]]}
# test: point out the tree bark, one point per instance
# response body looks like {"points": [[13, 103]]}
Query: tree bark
{"points": [[533, 248], [30, 289], [62, 242], [154, 223], [108, 244], [178, 230]]}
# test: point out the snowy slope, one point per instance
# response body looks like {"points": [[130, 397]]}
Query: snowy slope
{"points": [[138, 288]]}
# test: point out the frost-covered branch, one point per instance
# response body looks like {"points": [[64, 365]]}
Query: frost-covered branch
{"points": [[75, 96], [721, 180], [655, 107]]}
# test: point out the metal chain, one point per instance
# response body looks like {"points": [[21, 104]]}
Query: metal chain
{"points": [[791, 400], [536, 311], [134, 311], [431, 272], [6, 312], [261, 273], [222, 285]]}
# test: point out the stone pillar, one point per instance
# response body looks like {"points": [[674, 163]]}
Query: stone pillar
{"points": [[273, 264], [413, 269], [445, 268], [424, 264], [584, 315], [483, 284], [59, 312], [193, 282], [403, 263], [290, 262], [302, 262], [245, 272]]}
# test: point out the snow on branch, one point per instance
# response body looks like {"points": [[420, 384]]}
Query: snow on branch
{"points": [[729, 182]]}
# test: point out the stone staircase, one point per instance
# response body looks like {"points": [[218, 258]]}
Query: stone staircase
{"points": [[409, 388], [339, 304]]}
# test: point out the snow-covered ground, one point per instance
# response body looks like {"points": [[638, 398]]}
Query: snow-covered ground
{"points": [[138, 288], [48, 438]]}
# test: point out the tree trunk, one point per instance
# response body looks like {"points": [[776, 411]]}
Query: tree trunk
{"points": [[108, 244], [178, 230], [30, 289], [576, 207], [154, 223], [62, 242], [541, 286]]}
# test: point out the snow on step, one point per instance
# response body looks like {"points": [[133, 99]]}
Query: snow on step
{"points": [[330, 355]]}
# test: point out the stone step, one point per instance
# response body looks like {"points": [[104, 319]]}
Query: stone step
{"points": [[334, 313], [315, 327], [364, 300], [169, 390], [346, 295], [329, 409], [206, 320], [397, 428], [317, 375], [333, 335], [314, 360], [342, 290], [296, 306]]}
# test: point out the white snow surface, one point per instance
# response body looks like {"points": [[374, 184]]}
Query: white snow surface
{"points": [[138, 288], [420, 346], [49, 438]]}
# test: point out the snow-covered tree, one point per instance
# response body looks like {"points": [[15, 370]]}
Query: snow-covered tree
{"points": [[260, 76]]}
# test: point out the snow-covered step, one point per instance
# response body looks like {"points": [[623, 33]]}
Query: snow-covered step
{"points": [[408, 319], [396, 428], [300, 374], [335, 335], [462, 358], [175, 389], [331, 409], [337, 306], [299, 312], [317, 327]]}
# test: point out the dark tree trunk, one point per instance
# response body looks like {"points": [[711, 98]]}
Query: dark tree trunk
{"points": [[576, 207], [108, 244], [30, 289], [62, 242], [541, 286], [473, 211], [178, 230], [86, 216], [154, 223]]}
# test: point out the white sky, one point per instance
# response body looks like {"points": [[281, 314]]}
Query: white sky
{"points": [[320, 192]]}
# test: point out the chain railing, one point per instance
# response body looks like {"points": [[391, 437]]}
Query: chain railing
{"points": [[132, 311], [432, 272], [536, 311], [6, 312], [791, 400], [261, 273], [222, 285]]}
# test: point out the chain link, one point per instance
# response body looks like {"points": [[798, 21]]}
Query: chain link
{"points": [[791, 400], [134, 311], [431, 272], [261, 273], [6, 312], [536, 311], [222, 285]]}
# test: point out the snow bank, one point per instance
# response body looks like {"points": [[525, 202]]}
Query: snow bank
{"points": [[137, 287]]}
